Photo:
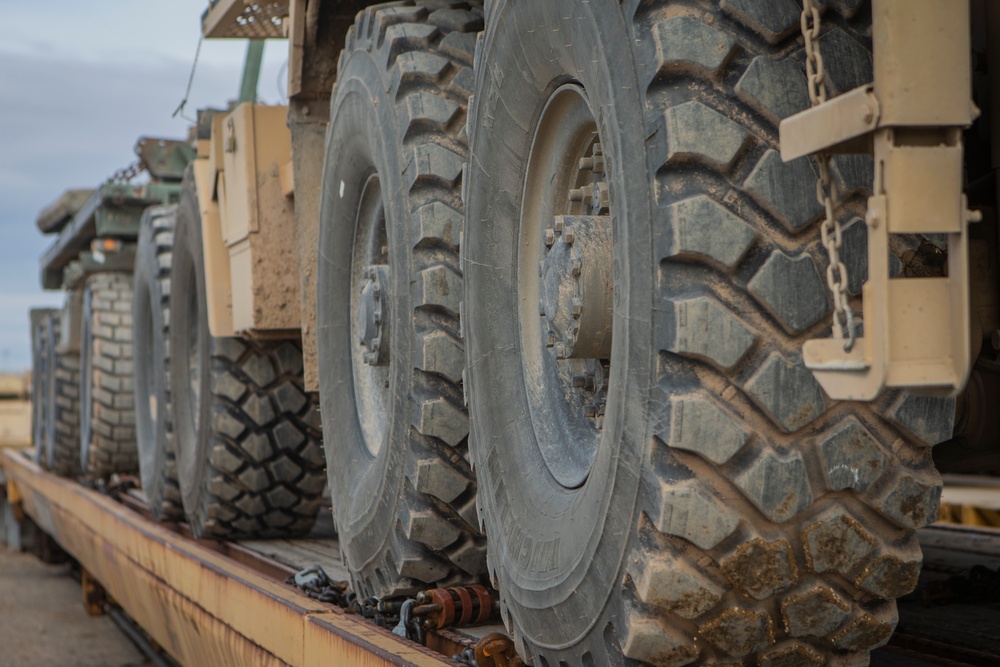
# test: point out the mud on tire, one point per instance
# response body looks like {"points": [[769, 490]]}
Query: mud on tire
{"points": [[246, 435], [391, 216], [732, 512]]}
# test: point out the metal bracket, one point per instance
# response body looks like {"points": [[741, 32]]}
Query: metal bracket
{"points": [[841, 125], [917, 331]]}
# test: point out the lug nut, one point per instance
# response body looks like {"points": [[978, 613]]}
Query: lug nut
{"points": [[569, 236], [557, 224], [550, 237], [577, 194], [594, 164]]}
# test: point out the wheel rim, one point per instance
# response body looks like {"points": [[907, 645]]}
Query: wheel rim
{"points": [[371, 356], [565, 272]]}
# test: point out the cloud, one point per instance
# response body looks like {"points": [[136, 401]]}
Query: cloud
{"points": [[79, 84], [70, 124]]}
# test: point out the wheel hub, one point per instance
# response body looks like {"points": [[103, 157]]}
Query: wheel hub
{"points": [[371, 316], [566, 279], [577, 287]]}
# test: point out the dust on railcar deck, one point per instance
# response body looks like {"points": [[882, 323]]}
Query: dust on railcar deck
{"points": [[43, 622]]}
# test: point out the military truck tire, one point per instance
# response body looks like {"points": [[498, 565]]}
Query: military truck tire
{"points": [[40, 381], [107, 418], [62, 426], [390, 357], [247, 437], [150, 333], [685, 494]]}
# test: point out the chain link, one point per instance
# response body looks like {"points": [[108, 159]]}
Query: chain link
{"points": [[128, 173], [827, 193]]}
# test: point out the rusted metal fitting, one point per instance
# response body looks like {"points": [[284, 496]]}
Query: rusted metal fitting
{"points": [[454, 607], [497, 650], [14, 501], [94, 596]]}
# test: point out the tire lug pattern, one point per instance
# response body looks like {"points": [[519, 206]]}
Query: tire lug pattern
{"points": [[760, 568], [793, 290], [684, 44], [852, 457], [865, 634], [669, 582], [913, 500], [690, 511], [698, 133], [847, 63], [837, 543], [701, 229], [818, 612], [928, 418], [788, 654], [62, 428], [787, 392], [654, 642], [773, 20], [703, 328], [425, 51], [112, 447], [739, 631], [699, 425], [774, 526], [775, 88], [892, 576], [786, 190]]}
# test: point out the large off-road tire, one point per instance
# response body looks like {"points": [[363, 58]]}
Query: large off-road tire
{"points": [[685, 494], [62, 423], [389, 293], [246, 435], [41, 379], [150, 338], [107, 418]]}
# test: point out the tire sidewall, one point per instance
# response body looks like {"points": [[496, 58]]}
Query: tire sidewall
{"points": [[556, 551], [39, 389], [363, 136], [192, 424], [86, 378], [149, 351], [51, 390]]}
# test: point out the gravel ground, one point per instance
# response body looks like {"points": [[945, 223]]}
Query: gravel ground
{"points": [[43, 624]]}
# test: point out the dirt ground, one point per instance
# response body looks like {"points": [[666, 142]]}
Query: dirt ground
{"points": [[43, 624]]}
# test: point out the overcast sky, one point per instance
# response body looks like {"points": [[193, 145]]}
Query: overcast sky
{"points": [[80, 82]]}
